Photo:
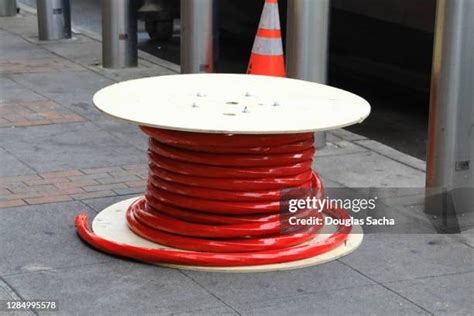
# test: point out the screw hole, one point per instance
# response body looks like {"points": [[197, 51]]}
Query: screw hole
{"points": [[232, 102], [229, 114]]}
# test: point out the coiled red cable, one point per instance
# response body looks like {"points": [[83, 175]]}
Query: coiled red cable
{"points": [[215, 199]]}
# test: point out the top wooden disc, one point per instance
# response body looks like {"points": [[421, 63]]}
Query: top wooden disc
{"points": [[232, 104]]}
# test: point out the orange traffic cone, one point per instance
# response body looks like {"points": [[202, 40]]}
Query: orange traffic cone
{"points": [[267, 52]]}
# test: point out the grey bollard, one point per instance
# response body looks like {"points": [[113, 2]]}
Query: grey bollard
{"points": [[307, 44], [197, 36], [119, 34], [54, 19], [450, 176], [8, 8]]}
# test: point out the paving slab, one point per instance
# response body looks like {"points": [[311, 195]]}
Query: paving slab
{"points": [[127, 132], [235, 288], [359, 300], [466, 237], [76, 38], [87, 53], [68, 146], [101, 203], [37, 65], [120, 287], [5, 291], [22, 114], [442, 295], [328, 183], [23, 24], [11, 166], [14, 47], [407, 220], [7, 294], [143, 70], [392, 153], [402, 196], [216, 311], [368, 169], [73, 89], [43, 237], [339, 147], [331, 138], [415, 219], [346, 135], [14, 92], [396, 257]]}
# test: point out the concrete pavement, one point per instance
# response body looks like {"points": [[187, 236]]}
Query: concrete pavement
{"points": [[60, 156]]}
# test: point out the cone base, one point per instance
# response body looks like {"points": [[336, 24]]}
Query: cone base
{"points": [[110, 224], [265, 65]]}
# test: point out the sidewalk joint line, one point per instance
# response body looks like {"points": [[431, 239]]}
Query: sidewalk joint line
{"points": [[429, 277], [394, 159], [311, 293], [209, 291], [387, 288], [17, 294], [56, 268], [20, 160]]}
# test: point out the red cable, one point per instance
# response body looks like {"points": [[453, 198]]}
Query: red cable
{"points": [[215, 198]]}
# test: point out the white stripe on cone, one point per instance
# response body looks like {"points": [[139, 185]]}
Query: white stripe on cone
{"points": [[270, 19], [267, 46]]}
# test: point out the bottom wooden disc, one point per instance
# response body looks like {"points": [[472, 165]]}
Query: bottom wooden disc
{"points": [[110, 224]]}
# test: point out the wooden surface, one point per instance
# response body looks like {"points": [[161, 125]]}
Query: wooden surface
{"points": [[232, 103], [110, 224]]}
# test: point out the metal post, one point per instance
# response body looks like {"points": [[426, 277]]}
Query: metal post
{"points": [[197, 36], [54, 19], [451, 139], [119, 34], [8, 7], [307, 43]]}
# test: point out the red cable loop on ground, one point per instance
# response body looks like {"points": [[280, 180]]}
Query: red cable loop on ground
{"points": [[217, 197]]}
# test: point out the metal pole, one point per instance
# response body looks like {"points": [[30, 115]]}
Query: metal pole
{"points": [[307, 43], [119, 34], [8, 7], [197, 36], [451, 140], [54, 19]]}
